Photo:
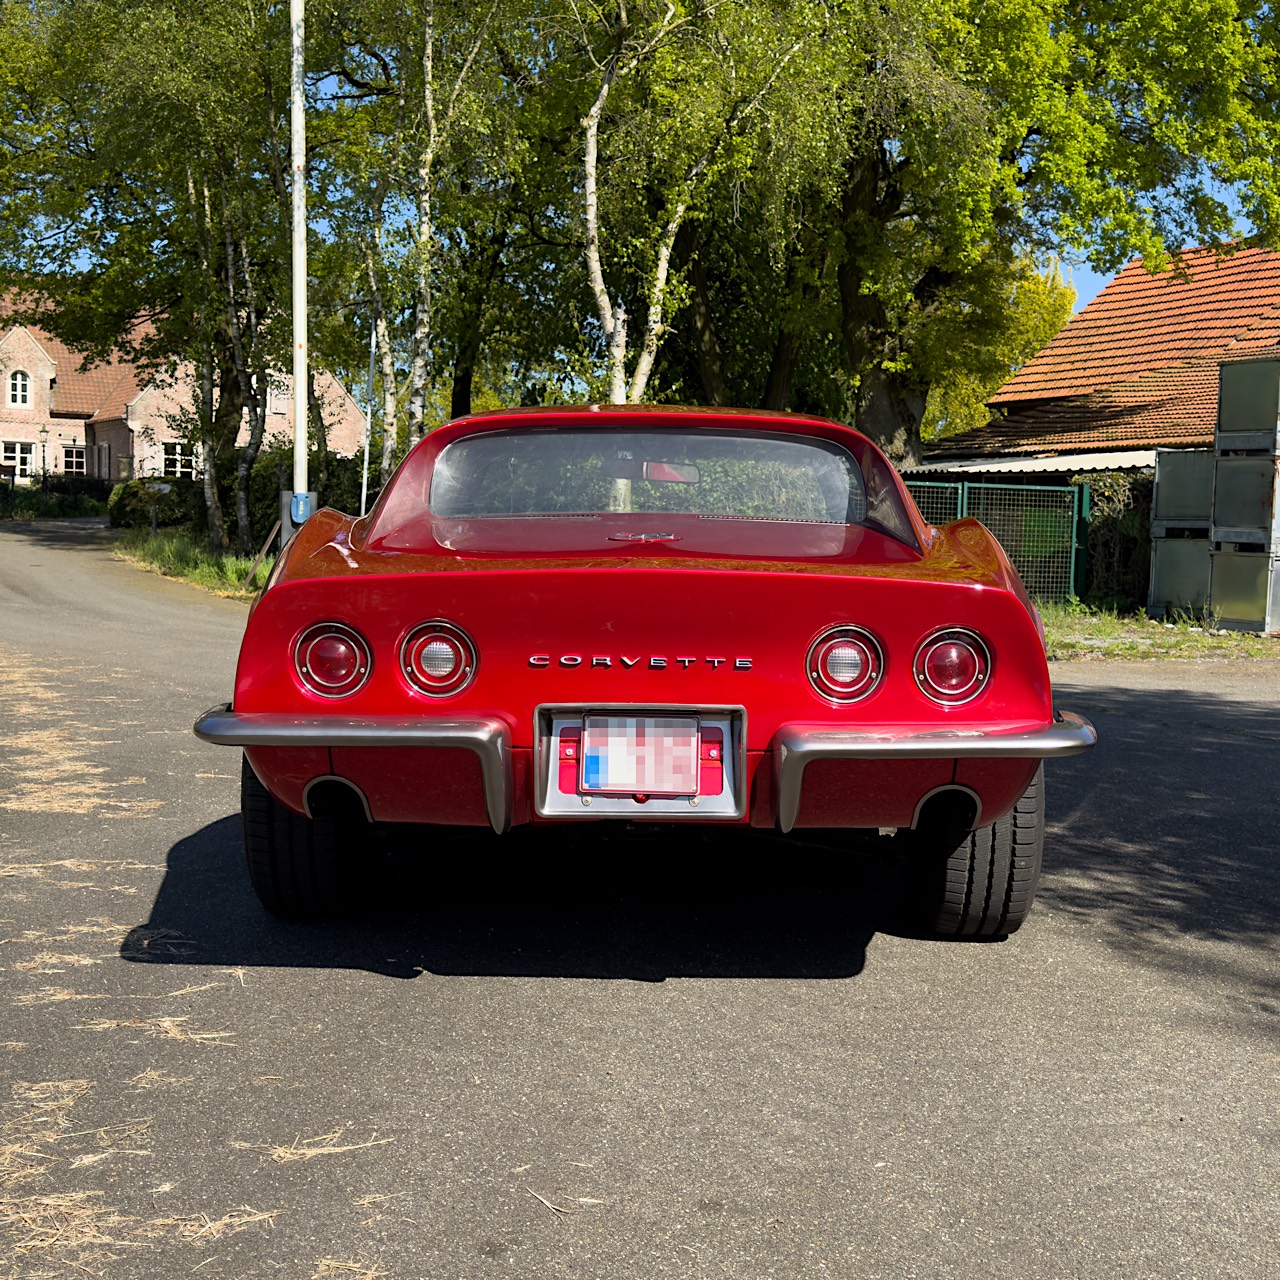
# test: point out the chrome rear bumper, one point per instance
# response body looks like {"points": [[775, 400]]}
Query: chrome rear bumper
{"points": [[797, 744], [487, 737]]}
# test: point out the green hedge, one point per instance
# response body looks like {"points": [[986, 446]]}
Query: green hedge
{"points": [[336, 481], [129, 506], [30, 502]]}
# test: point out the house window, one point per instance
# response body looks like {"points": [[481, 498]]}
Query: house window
{"points": [[73, 460], [19, 389], [279, 398], [18, 455], [179, 459]]}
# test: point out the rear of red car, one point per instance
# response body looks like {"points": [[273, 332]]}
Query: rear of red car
{"points": [[652, 618]]}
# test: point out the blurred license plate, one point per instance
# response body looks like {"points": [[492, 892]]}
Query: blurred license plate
{"points": [[630, 755]]}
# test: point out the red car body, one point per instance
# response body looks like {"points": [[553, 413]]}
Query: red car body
{"points": [[563, 617]]}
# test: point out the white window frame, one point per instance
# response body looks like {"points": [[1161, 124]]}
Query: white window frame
{"points": [[278, 398], [179, 460], [21, 455], [20, 389], [75, 461]]}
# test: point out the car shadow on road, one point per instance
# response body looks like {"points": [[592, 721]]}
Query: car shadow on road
{"points": [[643, 906]]}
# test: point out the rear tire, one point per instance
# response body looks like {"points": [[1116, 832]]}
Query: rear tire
{"points": [[298, 866], [980, 884]]}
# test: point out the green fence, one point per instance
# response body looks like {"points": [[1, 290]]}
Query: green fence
{"points": [[1041, 527]]}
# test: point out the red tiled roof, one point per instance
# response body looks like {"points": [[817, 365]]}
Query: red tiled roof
{"points": [[1142, 323], [1175, 406]]}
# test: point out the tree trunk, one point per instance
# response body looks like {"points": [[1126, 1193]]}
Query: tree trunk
{"points": [[463, 383], [209, 460], [782, 367], [386, 357], [479, 275], [244, 468], [318, 432], [890, 411], [613, 319], [706, 342], [422, 306]]}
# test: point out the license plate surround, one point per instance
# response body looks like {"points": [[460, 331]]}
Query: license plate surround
{"points": [[557, 794]]}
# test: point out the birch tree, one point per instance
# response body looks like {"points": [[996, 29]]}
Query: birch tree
{"points": [[679, 94]]}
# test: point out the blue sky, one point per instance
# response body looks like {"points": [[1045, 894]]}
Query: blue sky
{"points": [[1087, 282]]}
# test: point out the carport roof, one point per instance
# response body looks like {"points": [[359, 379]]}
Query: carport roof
{"points": [[1070, 463]]}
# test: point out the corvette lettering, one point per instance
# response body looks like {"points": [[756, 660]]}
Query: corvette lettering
{"points": [[654, 662]]}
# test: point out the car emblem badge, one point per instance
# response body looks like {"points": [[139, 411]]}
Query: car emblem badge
{"points": [[643, 537]]}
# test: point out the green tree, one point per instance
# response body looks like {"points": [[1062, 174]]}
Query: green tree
{"points": [[973, 348], [937, 146]]}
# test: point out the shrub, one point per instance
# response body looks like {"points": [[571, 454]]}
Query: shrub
{"points": [[129, 506], [32, 503], [1118, 550]]}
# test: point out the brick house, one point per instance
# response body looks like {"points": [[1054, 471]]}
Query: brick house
{"points": [[111, 421]]}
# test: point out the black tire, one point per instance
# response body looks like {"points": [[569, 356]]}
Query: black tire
{"points": [[980, 884], [298, 866]]}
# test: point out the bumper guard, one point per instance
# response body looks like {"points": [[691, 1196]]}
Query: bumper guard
{"points": [[797, 744], [487, 738]]}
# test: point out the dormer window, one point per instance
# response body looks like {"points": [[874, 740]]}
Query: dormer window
{"points": [[19, 389]]}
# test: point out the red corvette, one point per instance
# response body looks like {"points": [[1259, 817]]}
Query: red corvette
{"points": [[652, 616]]}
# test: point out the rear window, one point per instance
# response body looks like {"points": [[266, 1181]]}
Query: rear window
{"points": [[755, 476]]}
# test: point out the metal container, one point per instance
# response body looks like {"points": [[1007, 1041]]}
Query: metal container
{"points": [[1244, 590], [1183, 489], [1179, 576]]}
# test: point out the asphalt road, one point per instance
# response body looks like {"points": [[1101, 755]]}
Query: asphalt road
{"points": [[615, 1058]]}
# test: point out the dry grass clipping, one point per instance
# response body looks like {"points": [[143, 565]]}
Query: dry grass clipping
{"points": [[53, 962], [38, 869], [154, 940], [327, 1268], [167, 1028], [153, 1079], [199, 1228], [69, 1220], [37, 1117], [69, 1230], [308, 1148], [54, 995]]}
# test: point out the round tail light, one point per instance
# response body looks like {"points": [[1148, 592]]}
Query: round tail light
{"points": [[845, 663], [332, 660], [953, 666], [438, 659]]}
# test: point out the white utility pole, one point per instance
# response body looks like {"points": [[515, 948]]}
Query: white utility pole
{"points": [[300, 508], [368, 421]]}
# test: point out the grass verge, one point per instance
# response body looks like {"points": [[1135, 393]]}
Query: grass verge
{"points": [[174, 553], [1074, 630]]}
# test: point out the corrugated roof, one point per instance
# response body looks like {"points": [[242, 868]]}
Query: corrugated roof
{"points": [[1142, 323], [1072, 463]]}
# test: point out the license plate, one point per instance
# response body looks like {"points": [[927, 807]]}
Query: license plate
{"points": [[631, 755]]}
